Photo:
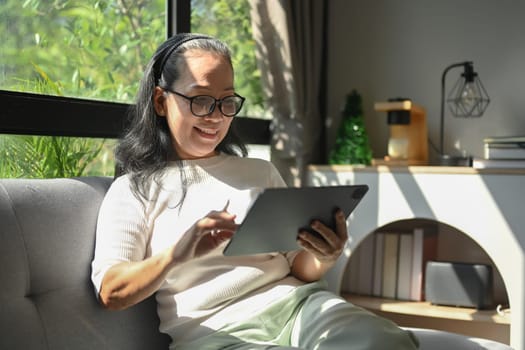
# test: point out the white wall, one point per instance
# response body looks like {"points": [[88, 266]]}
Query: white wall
{"points": [[399, 48]]}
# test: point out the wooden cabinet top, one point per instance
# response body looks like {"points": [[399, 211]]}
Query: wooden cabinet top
{"points": [[415, 169]]}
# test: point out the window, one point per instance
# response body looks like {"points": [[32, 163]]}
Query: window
{"points": [[70, 67]]}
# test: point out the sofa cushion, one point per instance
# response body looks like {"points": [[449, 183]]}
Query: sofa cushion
{"points": [[47, 237]]}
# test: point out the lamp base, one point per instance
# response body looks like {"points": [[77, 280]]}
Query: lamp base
{"points": [[448, 160]]}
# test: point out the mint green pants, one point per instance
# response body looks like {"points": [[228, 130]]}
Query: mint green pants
{"points": [[310, 318]]}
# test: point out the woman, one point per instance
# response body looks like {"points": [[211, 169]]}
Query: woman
{"points": [[165, 222]]}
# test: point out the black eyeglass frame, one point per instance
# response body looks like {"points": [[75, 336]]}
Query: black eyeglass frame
{"points": [[215, 103]]}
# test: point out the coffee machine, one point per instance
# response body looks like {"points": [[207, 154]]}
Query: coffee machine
{"points": [[408, 135]]}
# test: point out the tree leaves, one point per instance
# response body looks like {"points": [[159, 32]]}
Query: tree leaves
{"points": [[230, 21], [46, 156], [76, 44]]}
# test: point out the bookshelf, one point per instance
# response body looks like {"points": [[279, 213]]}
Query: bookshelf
{"points": [[484, 205]]}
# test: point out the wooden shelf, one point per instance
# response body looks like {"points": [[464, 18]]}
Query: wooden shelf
{"points": [[425, 309], [413, 169]]}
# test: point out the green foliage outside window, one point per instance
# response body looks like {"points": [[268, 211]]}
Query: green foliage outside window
{"points": [[91, 49], [230, 21], [51, 157]]}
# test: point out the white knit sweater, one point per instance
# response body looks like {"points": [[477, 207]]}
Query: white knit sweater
{"points": [[202, 295]]}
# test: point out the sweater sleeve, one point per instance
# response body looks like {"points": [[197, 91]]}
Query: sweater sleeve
{"points": [[122, 230]]}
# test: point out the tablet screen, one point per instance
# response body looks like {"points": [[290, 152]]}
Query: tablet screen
{"points": [[273, 221]]}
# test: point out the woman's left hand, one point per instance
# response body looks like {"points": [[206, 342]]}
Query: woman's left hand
{"points": [[325, 244]]}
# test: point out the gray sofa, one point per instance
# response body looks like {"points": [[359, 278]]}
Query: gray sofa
{"points": [[47, 234]]}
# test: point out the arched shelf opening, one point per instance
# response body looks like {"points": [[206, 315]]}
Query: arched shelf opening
{"points": [[370, 267]]}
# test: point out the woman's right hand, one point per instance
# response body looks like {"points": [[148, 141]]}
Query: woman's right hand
{"points": [[205, 235]]}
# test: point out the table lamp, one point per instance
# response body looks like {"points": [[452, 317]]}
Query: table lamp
{"points": [[468, 98]]}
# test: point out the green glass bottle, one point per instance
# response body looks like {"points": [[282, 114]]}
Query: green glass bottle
{"points": [[352, 145]]}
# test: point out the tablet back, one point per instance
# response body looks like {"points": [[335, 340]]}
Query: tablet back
{"points": [[273, 221]]}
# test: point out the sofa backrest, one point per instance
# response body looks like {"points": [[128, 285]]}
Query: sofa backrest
{"points": [[47, 301]]}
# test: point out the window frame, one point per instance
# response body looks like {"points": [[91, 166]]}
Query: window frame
{"points": [[37, 114]]}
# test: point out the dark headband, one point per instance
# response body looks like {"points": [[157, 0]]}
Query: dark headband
{"points": [[175, 46]]}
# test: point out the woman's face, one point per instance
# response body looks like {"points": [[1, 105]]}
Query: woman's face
{"points": [[203, 73]]}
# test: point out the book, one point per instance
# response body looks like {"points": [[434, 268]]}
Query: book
{"points": [[504, 147], [378, 264], [504, 151], [366, 266], [404, 266], [481, 163], [390, 257], [424, 245], [504, 139]]}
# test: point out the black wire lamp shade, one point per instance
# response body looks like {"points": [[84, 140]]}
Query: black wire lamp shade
{"points": [[467, 98]]}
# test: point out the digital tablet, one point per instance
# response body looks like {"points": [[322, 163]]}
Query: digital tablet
{"points": [[277, 214]]}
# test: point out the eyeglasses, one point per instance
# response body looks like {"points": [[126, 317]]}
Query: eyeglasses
{"points": [[203, 105]]}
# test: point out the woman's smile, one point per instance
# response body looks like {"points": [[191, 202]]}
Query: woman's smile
{"points": [[207, 133]]}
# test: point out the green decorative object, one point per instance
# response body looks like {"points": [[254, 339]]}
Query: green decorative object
{"points": [[351, 144]]}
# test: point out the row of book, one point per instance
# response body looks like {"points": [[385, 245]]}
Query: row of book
{"points": [[391, 264], [502, 152]]}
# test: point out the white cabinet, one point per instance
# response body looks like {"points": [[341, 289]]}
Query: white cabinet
{"points": [[486, 205]]}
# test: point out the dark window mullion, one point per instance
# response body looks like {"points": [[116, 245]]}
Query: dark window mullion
{"points": [[178, 17], [34, 114]]}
